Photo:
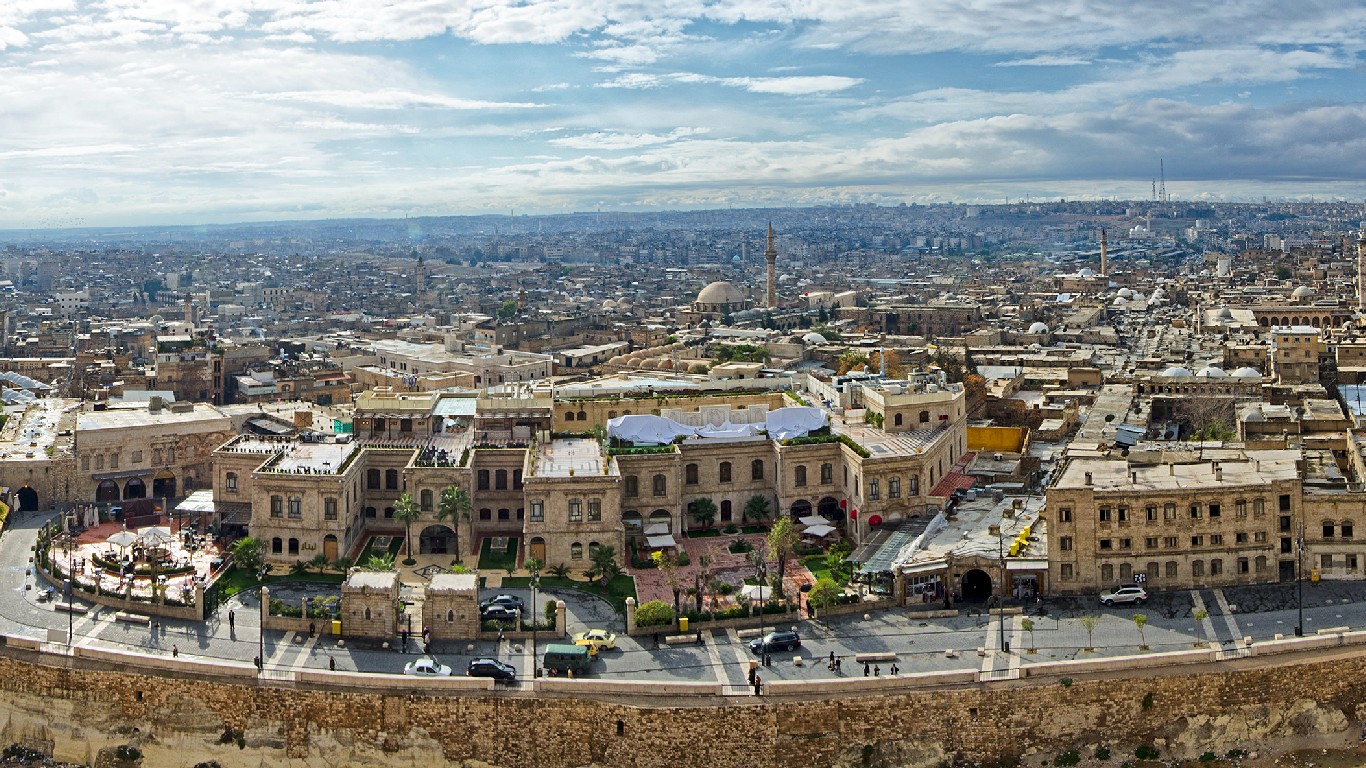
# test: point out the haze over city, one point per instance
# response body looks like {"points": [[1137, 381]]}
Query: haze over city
{"points": [[177, 112]]}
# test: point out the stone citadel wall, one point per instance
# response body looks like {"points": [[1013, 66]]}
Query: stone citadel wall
{"points": [[178, 719]]}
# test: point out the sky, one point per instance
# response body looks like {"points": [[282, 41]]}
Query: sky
{"points": [[131, 112]]}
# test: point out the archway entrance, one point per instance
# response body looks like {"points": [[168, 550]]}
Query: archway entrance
{"points": [[330, 547], [107, 492], [800, 508], [436, 540], [134, 489], [163, 486], [976, 586], [28, 499], [829, 508], [538, 548]]}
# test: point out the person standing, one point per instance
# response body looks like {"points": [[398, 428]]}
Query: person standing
{"points": [[232, 621]]}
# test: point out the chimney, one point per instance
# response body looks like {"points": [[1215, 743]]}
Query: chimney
{"points": [[1218, 474], [1088, 478], [1133, 477], [1171, 469], [154, 404]]}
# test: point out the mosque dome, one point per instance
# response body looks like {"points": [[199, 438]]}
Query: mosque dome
{"points": [[1303, 292], [1225, 314], [721, 292], [1176, 372], [1211, 372], [1037, 328], [1088, 272], [1246, 373], [1125, 293], [814, 338]]}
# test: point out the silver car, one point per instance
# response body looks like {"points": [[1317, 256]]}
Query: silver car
{"points": [[1126, 595]]}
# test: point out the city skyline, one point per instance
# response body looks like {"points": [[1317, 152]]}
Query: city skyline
{"points": [[169, 112]]}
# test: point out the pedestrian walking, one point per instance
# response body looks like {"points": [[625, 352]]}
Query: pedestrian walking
{"points": [[758, 686], [866, 669], [332, 663], [839, 664], [877, 670], [832, 658], [232, 621], [175, 651], [895, 669]]}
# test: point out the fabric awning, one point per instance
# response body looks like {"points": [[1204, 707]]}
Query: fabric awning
{"points": [[819, 531], [813, 520], [661, 542], [657, 529]]}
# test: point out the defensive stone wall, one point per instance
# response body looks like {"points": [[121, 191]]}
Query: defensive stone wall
{"points": [[181, 712]]}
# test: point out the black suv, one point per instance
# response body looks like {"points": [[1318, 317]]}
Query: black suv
{"points": [[783, 640], [506, 601], [491, 668], [498, 613]]}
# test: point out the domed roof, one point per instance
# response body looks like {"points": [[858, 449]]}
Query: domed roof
{"points": [[1125, 293], [1088, 272], [814, 338], [1246, 373], [721, 292], [1038, 328], [1302, 292], [609, 304], [1176, 371], [1119, 301], [1211, 372], [1225, 314]]}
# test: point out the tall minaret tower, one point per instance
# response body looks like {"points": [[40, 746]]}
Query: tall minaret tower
{"points": [[1361, 272], [771, 256], [1104, 255]]}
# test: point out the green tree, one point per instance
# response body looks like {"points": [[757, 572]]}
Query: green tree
{"points": [[320, 562], [1028, 626], [1200, 616], [668, 565], [379, 562], [533, 565], [342, 564], [407, 512], [507, 310], [655, 613], [823, 593], [455, 506], [782, 540], [1088, 623], [703, 511], [604, 564], [1141, 621], [248, 553], [756, 508]]}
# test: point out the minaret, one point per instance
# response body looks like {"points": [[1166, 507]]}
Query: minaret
{"points": [[421, 276], [771, 256], [1104, 255], [1361, 272]]}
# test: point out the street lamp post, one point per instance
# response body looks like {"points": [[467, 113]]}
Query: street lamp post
{"points": [[1001, 604], [70, 590], [1299, 579], [535, 581], [762, 573]]}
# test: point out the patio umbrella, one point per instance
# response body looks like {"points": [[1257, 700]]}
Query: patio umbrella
{"points": [[156, 534], [123, 539]]}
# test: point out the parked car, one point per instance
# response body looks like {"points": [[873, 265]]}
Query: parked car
{"points": [[1124, 595], [782, 640], [598, 639], [498, 613], [427, 667], [491, 668], [507, 601]]}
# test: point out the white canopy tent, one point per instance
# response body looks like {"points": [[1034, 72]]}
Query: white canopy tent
{"points": [[661, 542]]}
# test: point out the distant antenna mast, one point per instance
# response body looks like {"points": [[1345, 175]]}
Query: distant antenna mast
{"points": [[1162, 191]]}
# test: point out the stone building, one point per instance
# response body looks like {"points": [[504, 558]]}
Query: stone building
{"points": [[451, 606], [147, 450], [370, 604]]}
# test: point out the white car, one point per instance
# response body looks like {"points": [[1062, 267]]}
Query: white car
{"points": [[427, 667], [1129, 594]]}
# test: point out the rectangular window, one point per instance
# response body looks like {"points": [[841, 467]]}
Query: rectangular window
{"points": [[1150, 542], [1240, 509], [1106, 544], [113, 461], [1216, 539], [1258, 507], [277, 506], [1169, 542], [538, 511], [1285, 502], [1105, 514], [137, 457], [156, 456], [1171, 569], [575, 511], [873, 492], [231, 482], [1168, 511], [1240, 538], [1151, 512], [1243, 565], [170, 455], [894, 488], [1259, 537], [85, 463], [1216, 567], [1126, 543], [1215, 510], [1064, 514], [1065, 543], [1197, 541], [632, 485], [296, 508], [329, 509], [1326, 561], [1066, 571], [1195, 511], [99, 461], [1123, 514], [595, 510], [1351, 562]]}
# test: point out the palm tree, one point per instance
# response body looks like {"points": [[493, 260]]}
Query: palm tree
{"points": [[755, 509], [455, 506], [248, 553], [605, 565], [407, 512], [703, 511], [782, 540], [320, 562]]}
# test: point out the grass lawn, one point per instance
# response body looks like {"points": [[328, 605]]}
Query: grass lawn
{"points": [[703, 533], [818, 567], [237, 579], [497, 561], [754, 529], [618, 589]]}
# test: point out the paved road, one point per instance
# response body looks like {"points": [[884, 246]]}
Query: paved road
{"points": [[920, 644]]}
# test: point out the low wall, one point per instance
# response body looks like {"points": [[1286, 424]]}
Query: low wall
{"points": [[185, 612]]}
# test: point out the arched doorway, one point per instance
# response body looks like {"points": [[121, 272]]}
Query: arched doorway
{"points": [[28, 498], [800, 508], [436, 540], [107, 491], [829, 508], [632, 522], [538, 548], [135, 489], [163, 485], [330, 547], [976, 586], [662, 517]]}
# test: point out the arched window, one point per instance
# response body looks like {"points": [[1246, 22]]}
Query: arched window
{"points": [[756, 469], [483, 479], [516, 479], [450, 615], [725, 471], [367, 613], [924, 417], [690, 474], [568, 415], [1126, 572], [1327, 529], [1173, 570], [293, 546], [391, 479], [485, 514], [1345, 529], [576, 551], [231, 482], [827, 474], [592, 547], [726, 513], [897, 420], [799, 475], [583, 416], [500, 480], [372, 478], [660, 485], [1107, 572], [425, 499], [277, 546]]}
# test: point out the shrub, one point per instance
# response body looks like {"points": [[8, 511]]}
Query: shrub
{"points": [[682, 559], [731, 528], [725, 588], [1236, 754], [1208, 757], [1102, 753], [1147, 702], [128, 752], [1147, 752], [1066, 759], [1066, 682], [654, 613]]}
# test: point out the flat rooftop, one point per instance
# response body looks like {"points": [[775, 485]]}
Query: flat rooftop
{"points": [[202, 415], [558, 457], [1250, 468]]}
